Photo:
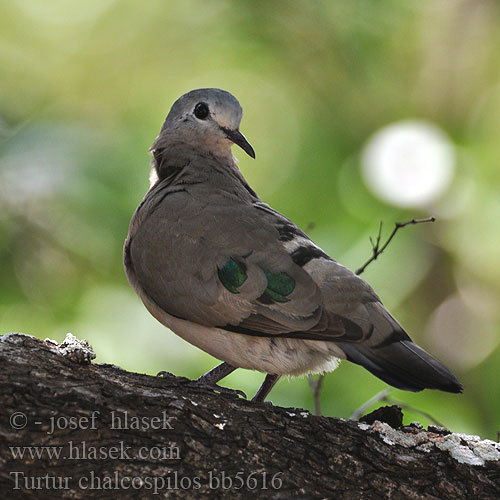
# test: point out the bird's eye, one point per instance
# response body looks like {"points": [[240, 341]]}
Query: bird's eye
{"points": [[201, 110]]}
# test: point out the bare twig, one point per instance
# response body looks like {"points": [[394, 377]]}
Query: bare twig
{"points": [[377, 249], [384, 396], [381, 396], [415, 410]]}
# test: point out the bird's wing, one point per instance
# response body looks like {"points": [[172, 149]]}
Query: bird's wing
{"points": [[243, 267]]}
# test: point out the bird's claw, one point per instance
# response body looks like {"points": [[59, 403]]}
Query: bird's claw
{"points": [[267, 403], [226, 390], [222, 390]]}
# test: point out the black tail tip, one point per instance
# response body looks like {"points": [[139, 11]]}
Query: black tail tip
{"points": [[404, 365], [451, 384], [455, 387]]}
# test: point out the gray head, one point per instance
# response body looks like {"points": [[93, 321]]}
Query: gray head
{"points": [[207, 119]]}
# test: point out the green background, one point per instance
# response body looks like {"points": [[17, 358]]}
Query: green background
{"points": [[85, 87]]}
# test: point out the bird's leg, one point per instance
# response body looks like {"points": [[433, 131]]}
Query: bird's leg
{"points": [[218, 373], [266, 387]]}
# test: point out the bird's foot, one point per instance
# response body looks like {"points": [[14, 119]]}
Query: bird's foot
{"points": [[265, 403], [220, 389], [211, 378], [163, 373]]}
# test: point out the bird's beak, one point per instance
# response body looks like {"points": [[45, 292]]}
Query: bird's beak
{"points": [[239, 139]]}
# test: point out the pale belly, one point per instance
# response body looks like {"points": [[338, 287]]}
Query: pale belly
{"points": [[280, 356]]}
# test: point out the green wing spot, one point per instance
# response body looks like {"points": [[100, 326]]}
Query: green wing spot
{"points": [[232, 275], [279, 285]]}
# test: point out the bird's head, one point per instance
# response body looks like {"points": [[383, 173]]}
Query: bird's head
{"points": [[207, 119]]}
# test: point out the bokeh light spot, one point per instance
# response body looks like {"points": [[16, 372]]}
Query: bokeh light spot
{"points": [[408, 164]]}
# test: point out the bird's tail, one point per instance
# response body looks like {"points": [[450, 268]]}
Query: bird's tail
{"points": [[404, 365]]}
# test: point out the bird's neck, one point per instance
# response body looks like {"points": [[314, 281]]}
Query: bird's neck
{"points": [[180, 164]]}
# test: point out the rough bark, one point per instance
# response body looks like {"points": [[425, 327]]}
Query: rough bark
{"points": [[181, 440]]}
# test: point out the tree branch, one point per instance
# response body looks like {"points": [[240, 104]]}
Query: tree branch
{"points": [[72, 429]]}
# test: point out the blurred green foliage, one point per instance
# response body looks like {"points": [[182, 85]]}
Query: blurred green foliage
{"points": [[85, 88]]}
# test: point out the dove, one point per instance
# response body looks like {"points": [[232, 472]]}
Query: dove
{"points": [[239, 280]]}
